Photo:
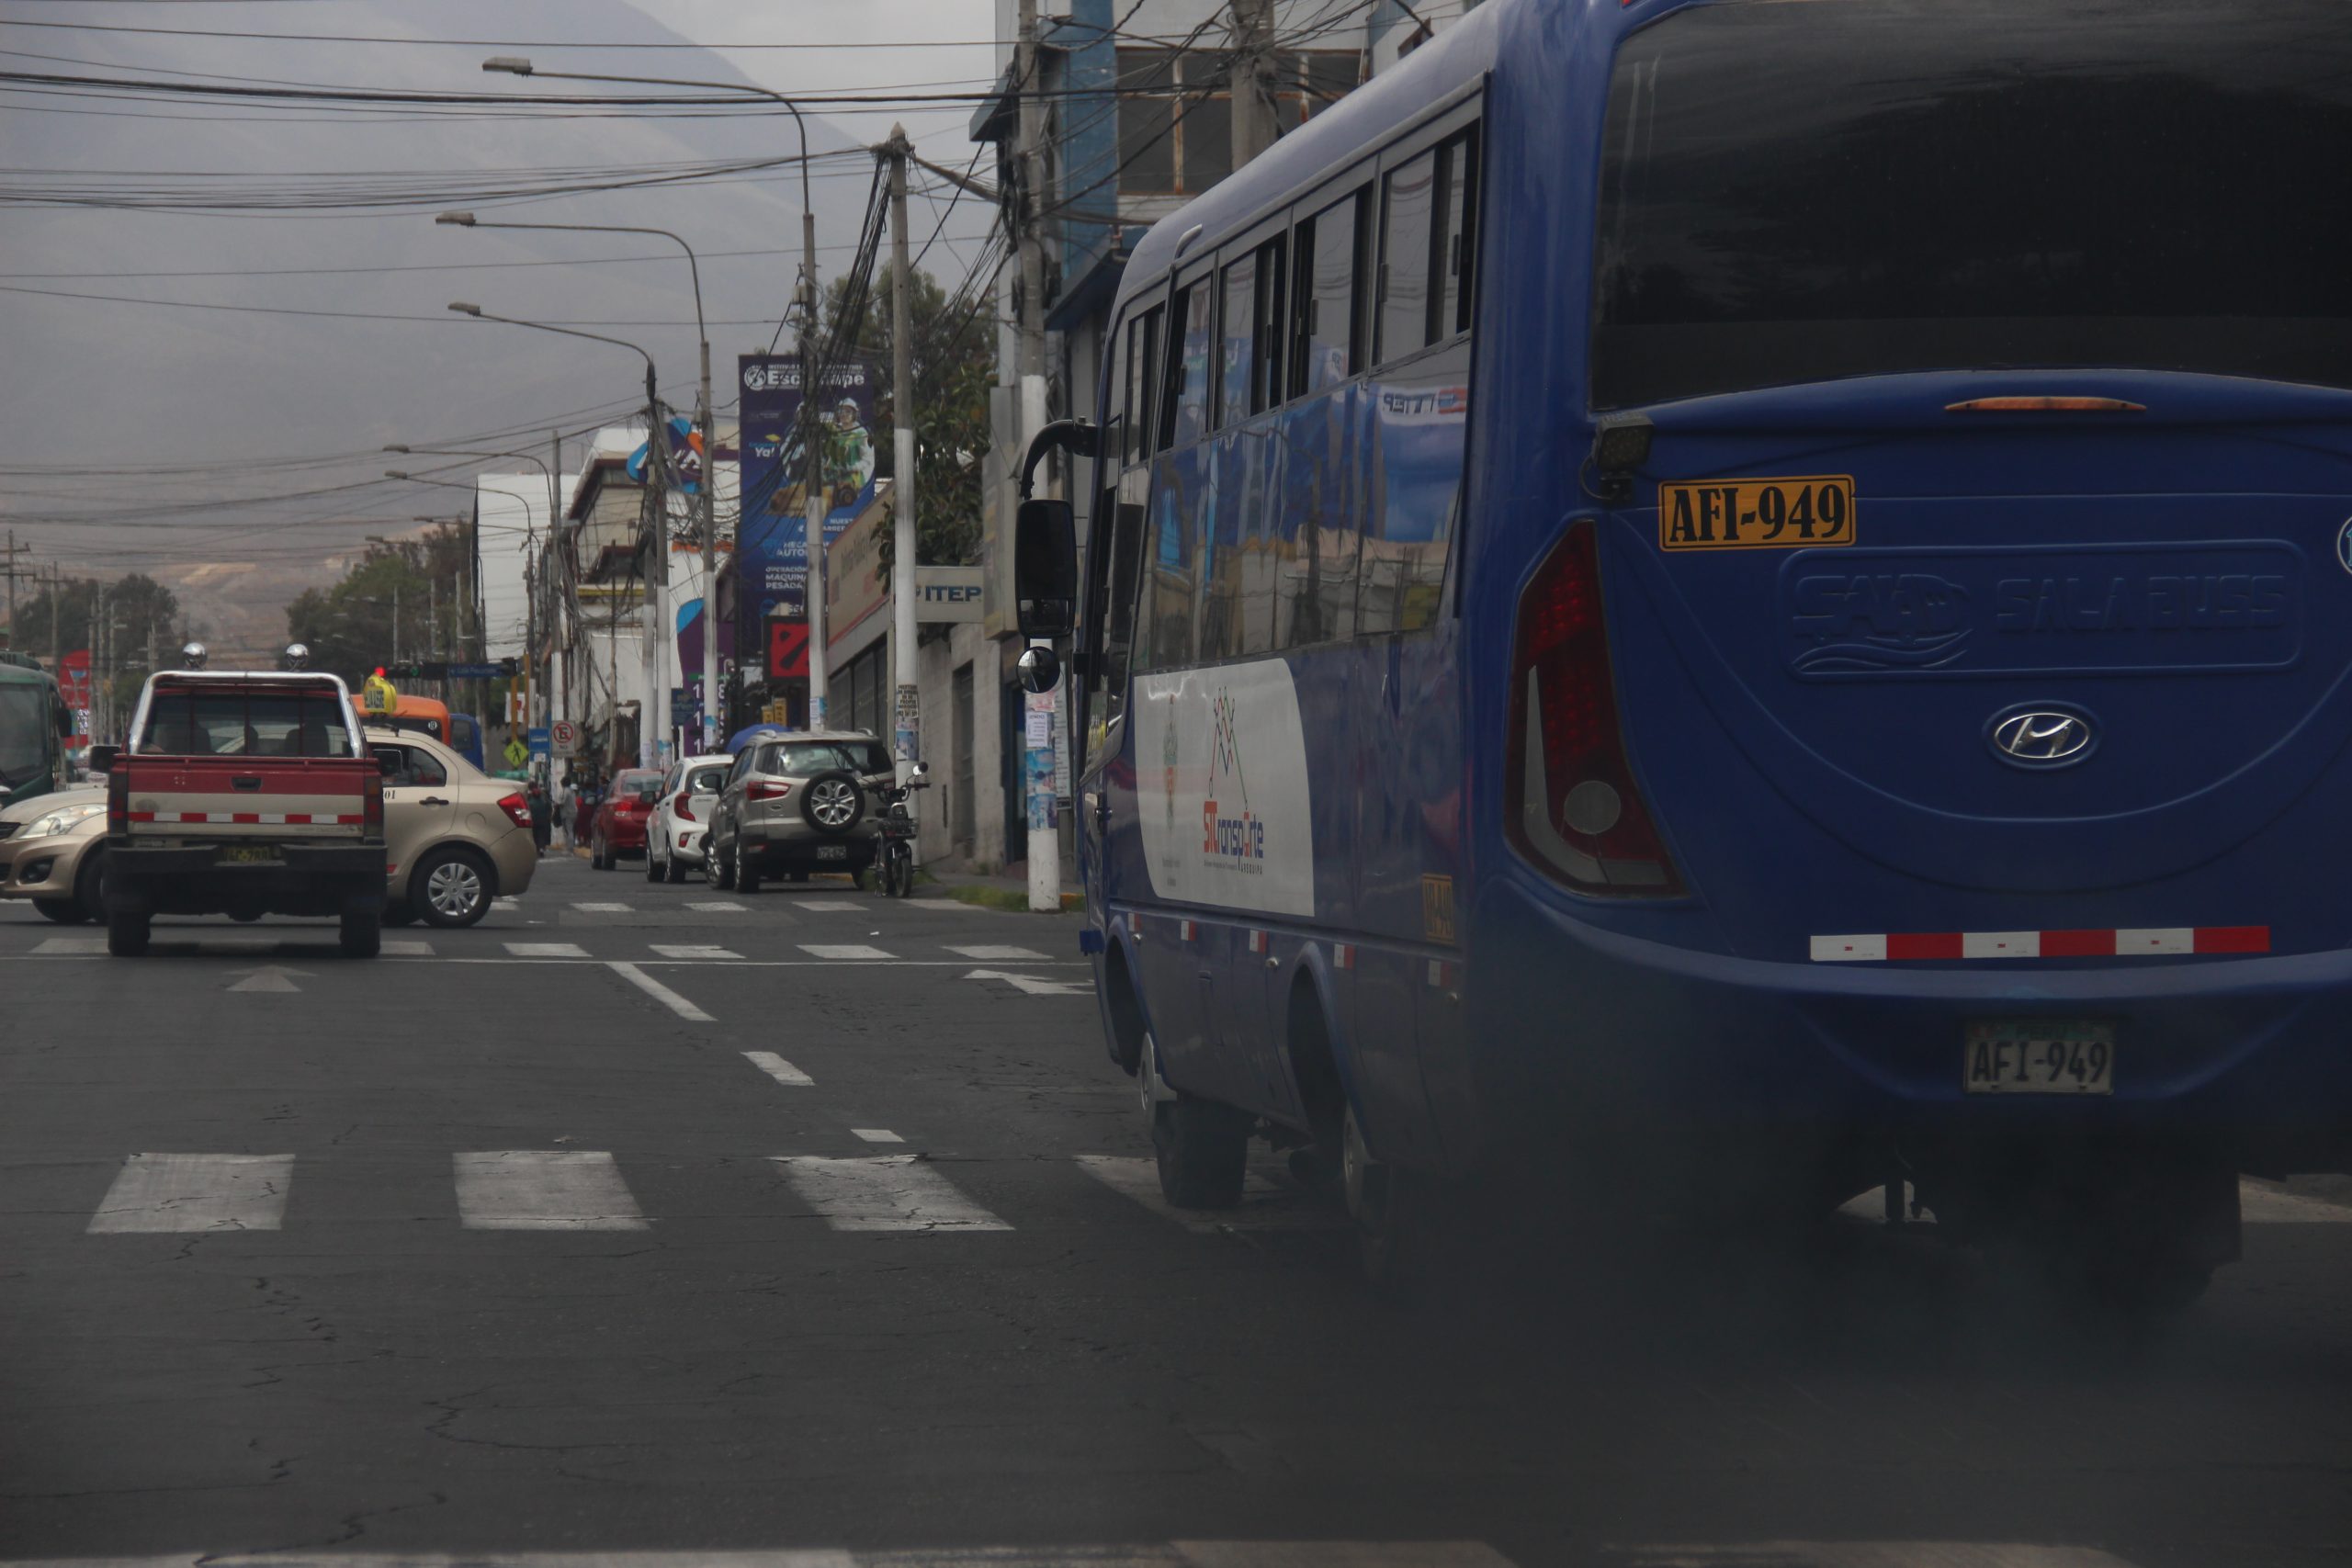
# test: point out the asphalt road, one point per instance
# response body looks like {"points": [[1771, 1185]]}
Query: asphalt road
{"points": [[649, 1219]]}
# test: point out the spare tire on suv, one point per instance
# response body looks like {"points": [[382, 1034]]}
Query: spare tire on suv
{"points": [[832, 801]]}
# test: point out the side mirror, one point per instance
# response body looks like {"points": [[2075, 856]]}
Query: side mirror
{"points": [[1044, 568], [102, 758], [1039, 669]]}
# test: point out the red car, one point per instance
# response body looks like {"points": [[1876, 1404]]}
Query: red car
{"points": [[618, 826]]}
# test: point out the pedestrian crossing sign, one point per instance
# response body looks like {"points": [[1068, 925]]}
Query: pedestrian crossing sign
{"points": [[518, 754]]}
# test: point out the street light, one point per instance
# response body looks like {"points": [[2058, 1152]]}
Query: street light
{"points": [[531, 539], [653, 434], [702, 419], [812, 592]]}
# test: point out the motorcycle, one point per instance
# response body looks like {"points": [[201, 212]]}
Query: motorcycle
{"points": [[894, 865]]}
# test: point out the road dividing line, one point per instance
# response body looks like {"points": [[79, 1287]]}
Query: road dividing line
{"points": [[70, 947], [998, 954], [544, 1190], [883, 1192], [660, 993], [827, 906], [718, 907], [544, 950], [876, 1134], [679, 951], [1266, 1204], [603, 909], [196, 1192], [776, 1067], [841, 950]]}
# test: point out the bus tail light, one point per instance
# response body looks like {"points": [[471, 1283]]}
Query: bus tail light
{"points": [[1571, 803]]}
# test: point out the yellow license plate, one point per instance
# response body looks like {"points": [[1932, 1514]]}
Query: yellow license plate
{"points": [[249, 854], [1756, 514]]}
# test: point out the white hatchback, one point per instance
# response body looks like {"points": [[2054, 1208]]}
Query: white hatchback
{"points": [[673, 837]]}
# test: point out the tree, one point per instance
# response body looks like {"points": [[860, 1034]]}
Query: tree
{"points": [[953, 364], [384, 609], [137, 604]]}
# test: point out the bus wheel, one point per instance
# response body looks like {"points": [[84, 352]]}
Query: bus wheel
{"points": [[1201, 1148]]}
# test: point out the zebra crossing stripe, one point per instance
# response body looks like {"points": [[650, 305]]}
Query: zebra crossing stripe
{"points": [[545, 950], [1266, 1204], [718, 907], [543, 1190], [885, 1192], [70, 946], [602, 908], [179, 1193], [690, 951], [406, 948], [842, 951], [776, 1067], [995, 954], [1863, 1554], [827, 905]]}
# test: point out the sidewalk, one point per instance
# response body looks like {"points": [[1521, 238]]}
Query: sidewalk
{"points": [[1006, 889]]}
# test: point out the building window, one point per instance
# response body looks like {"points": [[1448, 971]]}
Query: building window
{"points": [[1175, 120]]}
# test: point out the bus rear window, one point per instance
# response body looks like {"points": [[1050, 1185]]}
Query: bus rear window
{"points": [[1792, 192]]}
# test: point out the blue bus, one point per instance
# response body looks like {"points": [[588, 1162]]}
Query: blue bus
{"points": [[1751, 595]]}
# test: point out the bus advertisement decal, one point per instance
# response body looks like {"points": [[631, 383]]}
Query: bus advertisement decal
{"points": [[1797, 513], [1221, 788]]}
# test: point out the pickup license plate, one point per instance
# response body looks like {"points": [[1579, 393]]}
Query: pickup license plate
{"points": [[249, 854], [2038, 1056], [832, 851]]}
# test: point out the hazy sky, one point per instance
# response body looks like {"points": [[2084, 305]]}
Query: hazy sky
{"points": [[221, 426]]}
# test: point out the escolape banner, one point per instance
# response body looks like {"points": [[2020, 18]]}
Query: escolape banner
{"points": [[773, 538]]}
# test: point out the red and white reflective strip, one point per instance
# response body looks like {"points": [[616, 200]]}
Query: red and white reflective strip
{"points": [[1344, 955], [2146, 941], [1261, 941], [1188, 930], [249, 818], [1444, 974]]}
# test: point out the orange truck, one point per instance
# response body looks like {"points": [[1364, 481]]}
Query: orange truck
{"points": [[243, 793]]}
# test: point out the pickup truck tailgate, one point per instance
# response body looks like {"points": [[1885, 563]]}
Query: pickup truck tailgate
{"points": [[230, 797]]}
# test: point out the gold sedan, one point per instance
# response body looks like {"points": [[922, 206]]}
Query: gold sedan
{"points": [[49, 853], [454, 837]]}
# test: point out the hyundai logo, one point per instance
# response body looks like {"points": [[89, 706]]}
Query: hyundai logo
{"points": [[2042, 737]]}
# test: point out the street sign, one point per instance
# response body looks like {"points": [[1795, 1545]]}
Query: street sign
{"points": [[538, 741], [516, 754], [787, 650], [477, 671], [564, 736]]}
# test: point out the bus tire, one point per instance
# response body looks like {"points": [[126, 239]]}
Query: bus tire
{"points": [[127, 933], [1202, 1148]]}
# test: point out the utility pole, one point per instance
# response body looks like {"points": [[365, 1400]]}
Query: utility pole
{"points": [[813, 497], [908, 709], [1044, 835], [1253, 70], [13, 571]]}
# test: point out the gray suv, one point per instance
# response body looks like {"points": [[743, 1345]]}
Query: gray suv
{"points": [[794, 802]]}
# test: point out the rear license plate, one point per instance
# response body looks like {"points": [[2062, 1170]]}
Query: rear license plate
{"points": [[2038, 1056], [832, 851], [249, 854]]}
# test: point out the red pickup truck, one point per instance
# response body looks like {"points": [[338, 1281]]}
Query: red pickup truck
{"points": [[244, 794]]}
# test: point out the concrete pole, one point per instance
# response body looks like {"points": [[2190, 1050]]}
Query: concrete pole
{"points": [[812, 588], [651, 716], [908, 708], [1043, 834], [1253, 65]]}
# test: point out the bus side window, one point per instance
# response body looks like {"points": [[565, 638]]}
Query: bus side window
{"points": [[1143, 380], [1457, 246], [1406, 301], [1192, 350], [1269, 331], [1238, 294], [1327, 336]]}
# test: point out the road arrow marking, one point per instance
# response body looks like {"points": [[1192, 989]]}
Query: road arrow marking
{"points": [[270, 978], [1035, 986]]}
